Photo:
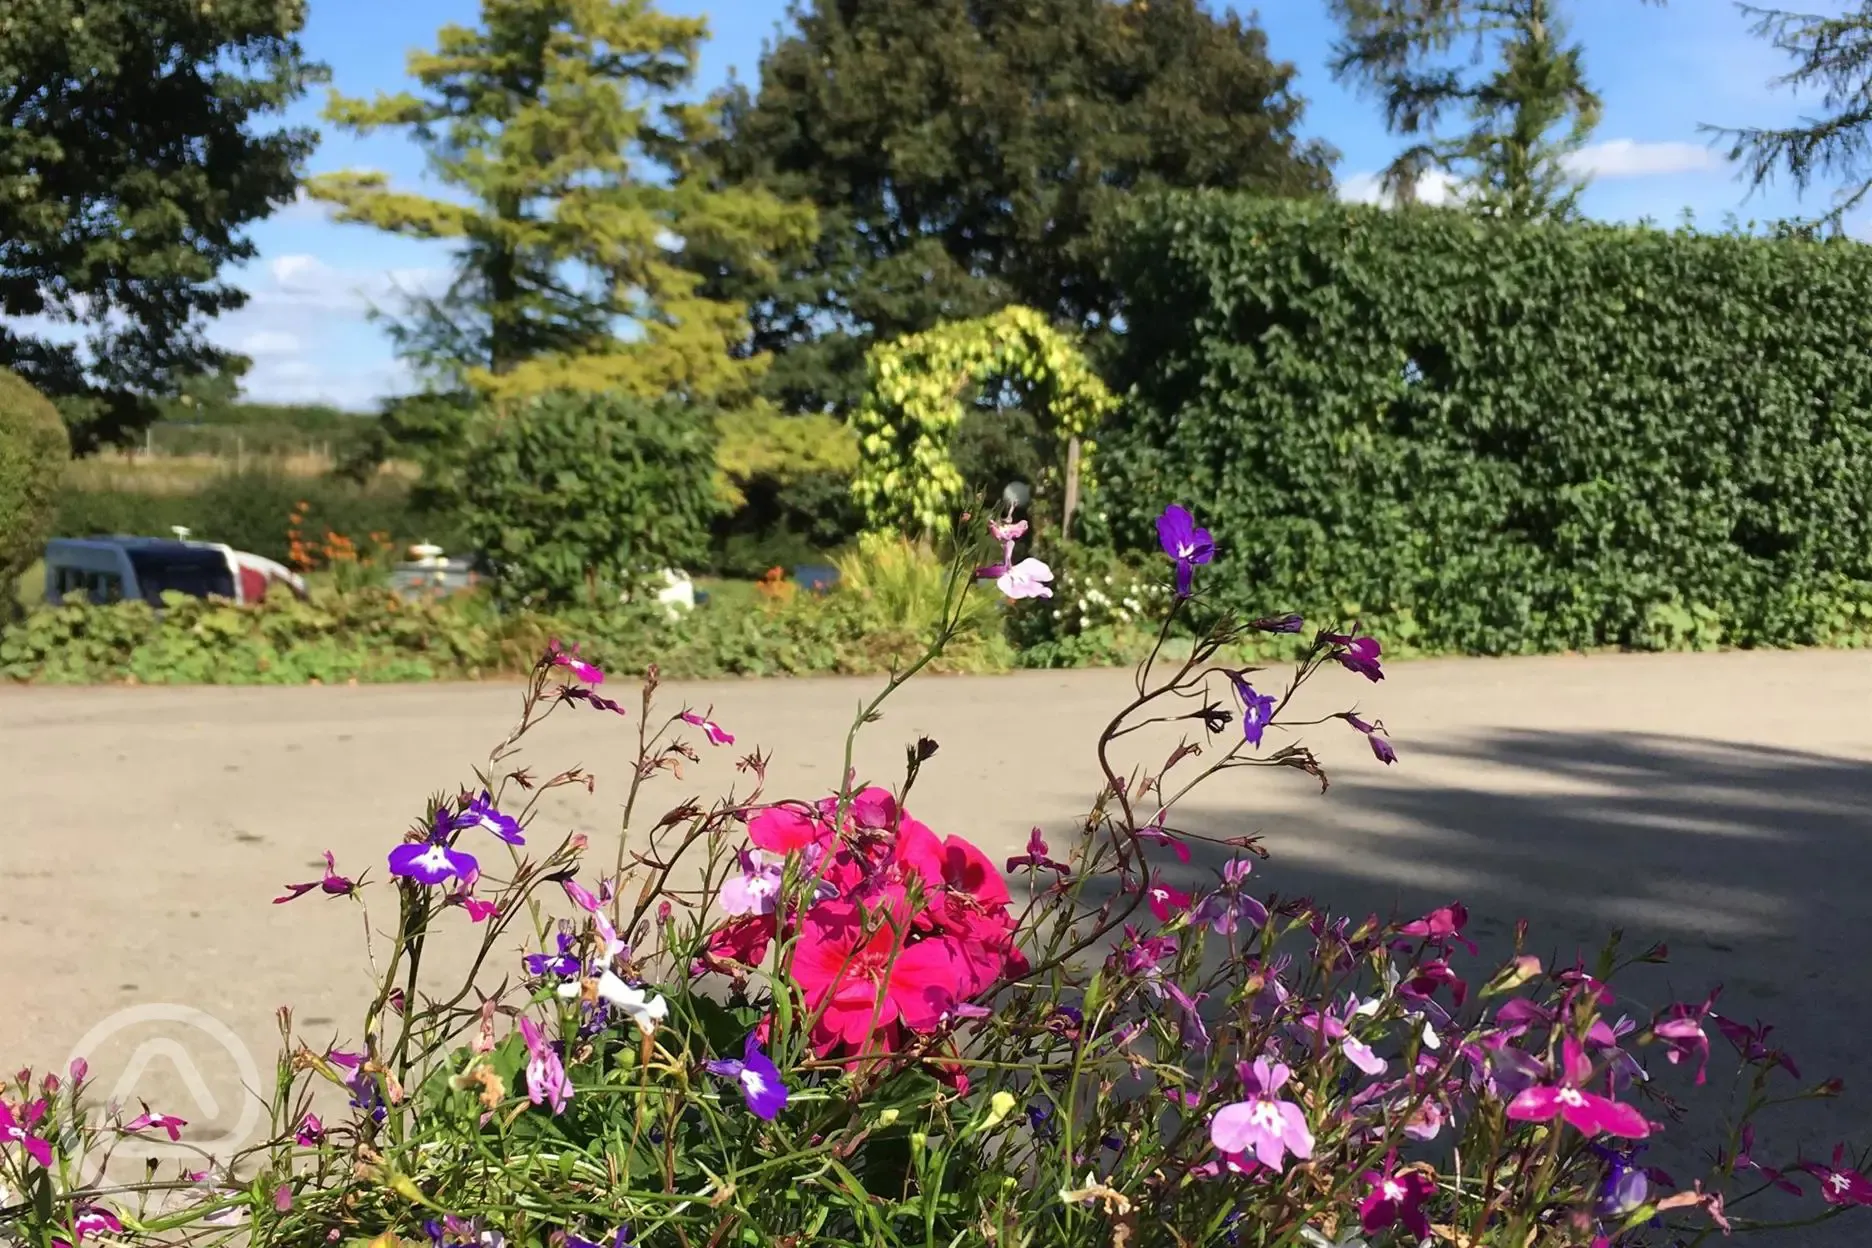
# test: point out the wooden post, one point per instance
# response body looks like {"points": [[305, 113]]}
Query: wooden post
{"points": [[1072, 487]]}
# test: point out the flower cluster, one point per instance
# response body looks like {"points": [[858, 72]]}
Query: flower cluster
{"points": [[895, 927]]}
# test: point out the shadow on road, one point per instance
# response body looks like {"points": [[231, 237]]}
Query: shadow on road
{"points": [[1754, 865]]}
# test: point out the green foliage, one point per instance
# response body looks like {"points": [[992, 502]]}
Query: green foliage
{"points": [[583, 497], [549, 121], [1528, 438], [370, 635], [962, 156], [905, 586], [248, 510], [921, 391], [33, 452], [130, 163], [1527, 113], [786, 484]]}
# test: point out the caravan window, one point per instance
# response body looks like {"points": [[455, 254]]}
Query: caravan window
{"points": [[197, 573], [99, 587]]}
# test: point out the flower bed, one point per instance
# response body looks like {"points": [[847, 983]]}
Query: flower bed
{"points": [[815, 1020]]}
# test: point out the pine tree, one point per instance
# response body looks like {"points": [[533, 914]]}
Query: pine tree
{"points": [[1833, 54], [1506, 66], [963, 156], [554, 118]]}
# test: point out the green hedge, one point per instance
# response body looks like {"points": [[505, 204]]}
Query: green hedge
{"points": [[33, 452], [1503, 439], [249, 510]]}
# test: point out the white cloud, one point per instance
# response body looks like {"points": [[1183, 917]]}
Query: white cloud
{"points": [[1435, 188], [270, 342], [303, 208], [1632, 158]]}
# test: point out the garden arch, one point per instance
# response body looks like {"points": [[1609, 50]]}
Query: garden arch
{"points": [[919, 390]]}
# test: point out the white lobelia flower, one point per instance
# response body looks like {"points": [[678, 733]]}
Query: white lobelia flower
{"points": [[645, 1010]]}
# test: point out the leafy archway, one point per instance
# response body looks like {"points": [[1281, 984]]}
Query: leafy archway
{"points": [[923, 386]]}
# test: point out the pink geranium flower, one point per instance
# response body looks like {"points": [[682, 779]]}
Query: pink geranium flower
{"points": [[861, 982], [1263, 1125], [1587, 1112], [786, 829]]}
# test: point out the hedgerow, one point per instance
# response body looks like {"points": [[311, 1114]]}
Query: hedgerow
{"points": [[1524, 438]]}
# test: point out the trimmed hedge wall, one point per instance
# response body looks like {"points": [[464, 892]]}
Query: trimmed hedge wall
{"points": [[1504, 439]]}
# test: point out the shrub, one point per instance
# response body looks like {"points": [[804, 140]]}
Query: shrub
{"points": [[814, 1020], [1529, 437], [33, 452], [585, 497]]}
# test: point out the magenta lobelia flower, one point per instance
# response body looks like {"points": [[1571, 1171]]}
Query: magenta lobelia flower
{"points": [[1157, 836], [17, 1129], [93, 1221], [1228, 908], [1186, 545], [167, 1123], [310, 1132], [1680, 1029], [547, 1082], [1396, 1199], [580, 896], [1261, 1124], [1036, 857], [559, 656], [1587, 1112], [333, 884], [1166, 903], [715, 733], [1838, 1184]]}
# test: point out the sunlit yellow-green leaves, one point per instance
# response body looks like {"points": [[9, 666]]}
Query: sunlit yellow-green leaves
{"points": [[919, 387]]}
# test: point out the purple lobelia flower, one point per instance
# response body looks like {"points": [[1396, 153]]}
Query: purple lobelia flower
{"points": [[620, 1238], [433, 861], [480, 813], [1380, 748], [547, 1082], [562, 963], [1356, 654], [1257, 708], [1261, 1123], [1186, 545], [1229, 907], [761, 1086], [1279, 624], [333, 884]]}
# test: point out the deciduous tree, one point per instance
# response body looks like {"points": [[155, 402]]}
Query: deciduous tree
{"points": [[963, 155], [132, 156]]}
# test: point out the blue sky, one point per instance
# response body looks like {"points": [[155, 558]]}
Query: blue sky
{"points": [[1660, 71]]}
